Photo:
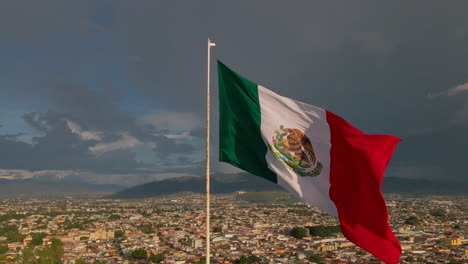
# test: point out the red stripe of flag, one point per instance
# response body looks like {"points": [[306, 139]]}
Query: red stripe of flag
{"points": [[358, 163]]}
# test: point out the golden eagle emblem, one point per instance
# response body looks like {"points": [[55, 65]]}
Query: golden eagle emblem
{"points": [[295, 151]]}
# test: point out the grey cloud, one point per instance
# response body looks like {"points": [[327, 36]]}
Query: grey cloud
{"points": [[372, 63], [166, 147], [60, 149], [36, 121], [462, 114], [26, 20]]}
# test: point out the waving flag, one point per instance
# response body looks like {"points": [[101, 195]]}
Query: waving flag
{"points": [[311, 152]]}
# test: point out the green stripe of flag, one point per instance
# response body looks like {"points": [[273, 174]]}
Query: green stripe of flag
{"points": [[240, 139]]}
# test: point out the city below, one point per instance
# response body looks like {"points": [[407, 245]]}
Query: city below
{"points": [[247, 227]]}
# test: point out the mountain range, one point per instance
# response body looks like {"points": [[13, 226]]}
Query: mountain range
{"points": [[36, 188], [220, 183], [226, 183]]}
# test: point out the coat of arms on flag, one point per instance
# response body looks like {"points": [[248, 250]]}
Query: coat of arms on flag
{"points": [[294, 150]]}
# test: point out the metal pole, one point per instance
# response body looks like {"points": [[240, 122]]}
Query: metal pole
{"points": [[210, 44]]}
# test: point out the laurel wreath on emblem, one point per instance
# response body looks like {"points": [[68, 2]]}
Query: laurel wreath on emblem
{"points": [[294, 150]]}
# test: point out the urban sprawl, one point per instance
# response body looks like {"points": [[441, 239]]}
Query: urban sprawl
{"points": [[171, 229]]}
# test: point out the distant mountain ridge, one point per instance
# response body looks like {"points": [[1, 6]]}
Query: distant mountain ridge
{"points": [[226, 183], [220, 183], [37, 188], [422, 187]]}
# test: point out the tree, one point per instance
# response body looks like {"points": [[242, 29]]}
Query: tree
{"points": [[37, 238], [11, 233], [323, 231], [51, 254], [114, 217], [56, 242], [80, 261], [247, 260], [298, 232], [201, 261], [27, 255], [146, 228], [316, 259], [438, 212], [3, 249], [217, 229], [158, 257], [139, 254], [118, 233], [412, 220]]}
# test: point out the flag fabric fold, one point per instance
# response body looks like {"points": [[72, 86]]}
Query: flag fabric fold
{"points": [[311, 152]]}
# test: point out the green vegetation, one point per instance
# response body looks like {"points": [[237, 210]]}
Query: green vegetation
{"points": [[323, 231], [48, 255], [243, 259], [118, 233], [412, 220], [217, 229], [69, 225], [158, 257], [114, 217], [80, 261], [139, 254], [3, 249], [298, 232], [84, 238], [316, 259], [56, 242], [37, 238], [10, 215], [146, 228], [438, 212], [11, 233]]}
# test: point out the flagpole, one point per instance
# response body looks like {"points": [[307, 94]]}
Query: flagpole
{"points": [[209, 45]]}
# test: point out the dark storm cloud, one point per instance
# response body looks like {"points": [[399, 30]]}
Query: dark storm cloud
{"points": [[60, 149], [90, 107], [372, 63], [26, 20]]}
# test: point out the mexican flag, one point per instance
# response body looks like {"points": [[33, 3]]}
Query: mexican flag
{"points": [[311, 152]]}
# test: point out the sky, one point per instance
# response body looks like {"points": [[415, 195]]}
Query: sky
{"points": [[114, 91]]}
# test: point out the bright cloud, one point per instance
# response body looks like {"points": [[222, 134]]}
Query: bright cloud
{"points": [[451, 92], [184, 136], [84, 135], [125, 142]]}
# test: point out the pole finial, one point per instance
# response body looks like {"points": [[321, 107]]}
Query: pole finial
{"points": [[210, 43]]}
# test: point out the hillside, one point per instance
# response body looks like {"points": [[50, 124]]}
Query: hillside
{"points": [[35, 188], [220, 183], [226, 183]]}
